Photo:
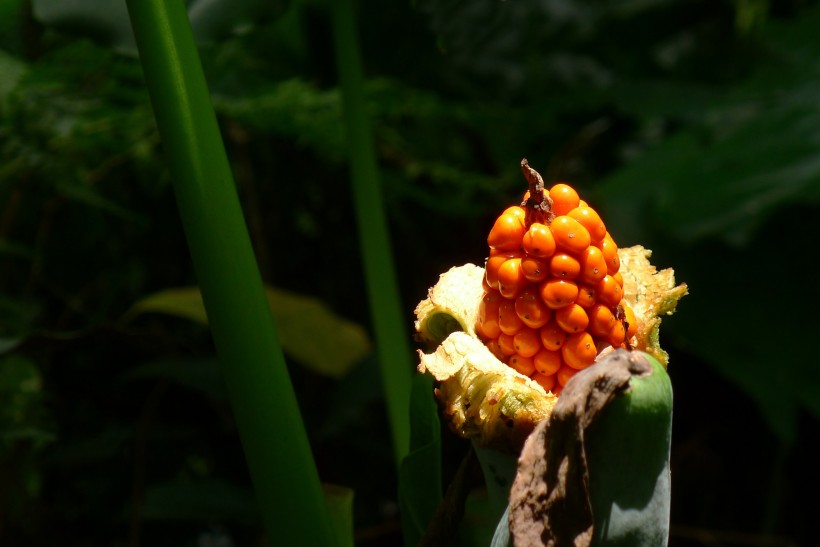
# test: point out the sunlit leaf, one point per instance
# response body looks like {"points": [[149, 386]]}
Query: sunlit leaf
{"points": [[311, 333], [184, 302], [315, 336]]}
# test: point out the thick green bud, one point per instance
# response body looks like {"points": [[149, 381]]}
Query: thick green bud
{"points": [[597, 471], [628, 458]]}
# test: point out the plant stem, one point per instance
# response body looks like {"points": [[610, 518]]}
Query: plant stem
{"points": [[385, 306], [264, 404]]}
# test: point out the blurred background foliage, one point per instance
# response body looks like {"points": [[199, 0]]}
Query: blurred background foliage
{"points": [[694, 126]]}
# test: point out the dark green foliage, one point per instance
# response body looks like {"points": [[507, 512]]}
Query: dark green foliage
{"points": [[420, 489], [693, 127]]}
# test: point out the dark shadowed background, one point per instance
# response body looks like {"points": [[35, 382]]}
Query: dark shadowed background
{"points": [[692, 126]]}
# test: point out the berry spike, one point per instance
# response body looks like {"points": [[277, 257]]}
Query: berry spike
{"points": [[553, 262], [555, 295], [537, 203]]}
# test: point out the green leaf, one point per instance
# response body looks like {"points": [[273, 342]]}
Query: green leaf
{"points": [[719, 324], [90, 451], [740, 173], [309, 332], [213, 20], [744, 151], [340, 505], [311, 117], [420, 472], [104, 20], [11, 71], [22, 413], [489, 519], [108, 22]]}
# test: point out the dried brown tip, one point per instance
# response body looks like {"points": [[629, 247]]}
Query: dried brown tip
{"points": [[538, 205]]}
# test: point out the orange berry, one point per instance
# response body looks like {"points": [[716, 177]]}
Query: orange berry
{"points": [[547, 382], [579, 350], [601, 320], [508, 320], [527, 342], [485, 285], [547, 361], [518, 253], [531, 309], [535, 270], [593, 265], [522, 365], [495, 349], [557, 293], [506, 344], [610, 250], [508, 230], [488, 316], [619, 278], [572, 318], [586, 296], [552, 336], [511, 278], [570, 234], [617, 335], [631, 321], [564, 374], [538, 241], [491, 270], [590, 220], [564, 199], [564, 266], [609, 292]]}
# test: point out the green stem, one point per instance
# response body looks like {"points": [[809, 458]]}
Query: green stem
{"points": [[389, 321], [264, 404]]}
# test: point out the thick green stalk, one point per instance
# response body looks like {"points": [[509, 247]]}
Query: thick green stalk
{"points": [[270, 425], [388, 319], [627, 451]]}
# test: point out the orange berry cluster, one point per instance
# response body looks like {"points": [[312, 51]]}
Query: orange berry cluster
{"points": [[553, 295]]}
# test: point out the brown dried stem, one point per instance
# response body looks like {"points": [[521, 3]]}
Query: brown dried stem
{"points": [[538, 205]]}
